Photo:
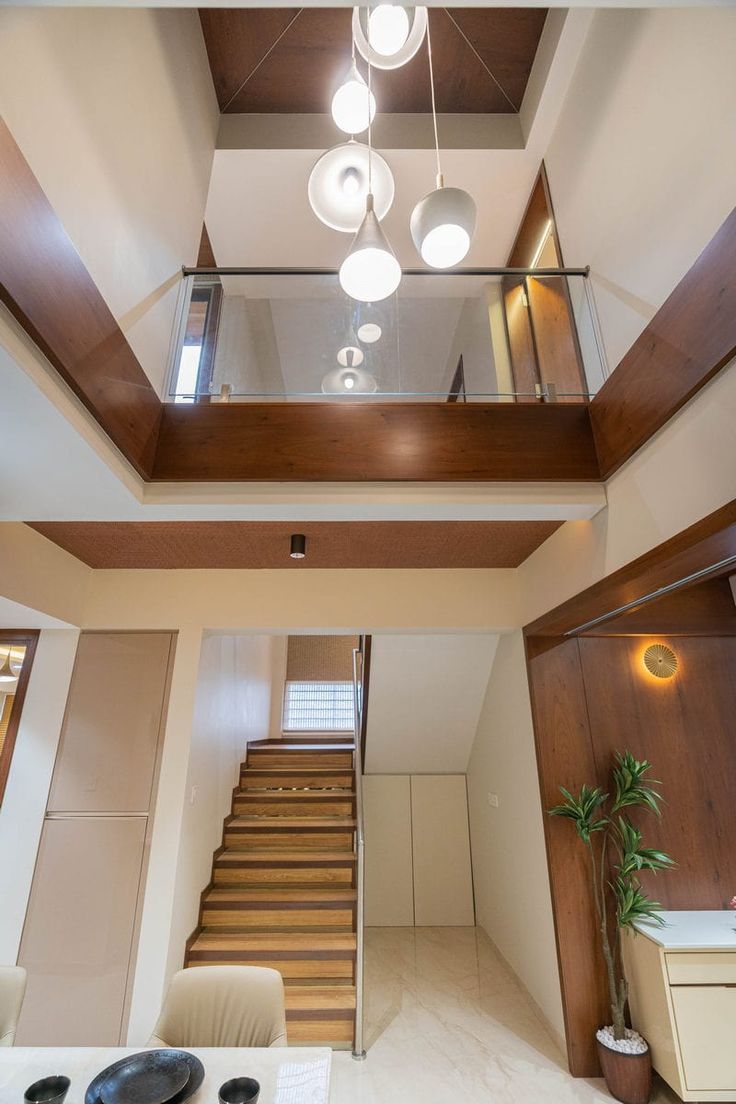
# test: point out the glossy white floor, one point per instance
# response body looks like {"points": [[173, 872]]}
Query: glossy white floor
{"points": [[446, 1020]]}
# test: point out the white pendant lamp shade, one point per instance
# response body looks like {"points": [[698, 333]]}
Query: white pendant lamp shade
{"points": [[338, 186], [369, 333], [349, 381], [7, 674], [370, 272], [350, 356], [388, 29], [442, 226], [389, 35], [353, 105]]}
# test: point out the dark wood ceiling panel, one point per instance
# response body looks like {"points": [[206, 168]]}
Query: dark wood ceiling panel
{"points": [[245, 544], [290, 60]]}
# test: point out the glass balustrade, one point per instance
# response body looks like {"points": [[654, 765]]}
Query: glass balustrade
{"points": [[472, 336]]}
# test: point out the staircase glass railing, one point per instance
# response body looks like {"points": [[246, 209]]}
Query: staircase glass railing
{"points": [[358, 1045], [484, 335]]}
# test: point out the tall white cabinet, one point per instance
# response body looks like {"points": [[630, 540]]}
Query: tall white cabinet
{"points": [[80, 933], [417, 851]]}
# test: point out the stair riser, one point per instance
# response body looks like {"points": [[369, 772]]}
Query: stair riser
{"points": [[230, 874], [287, 840], [292, 969], [296, 780], [277, 919], [248, 805], [314, 1032], [260, 758]]}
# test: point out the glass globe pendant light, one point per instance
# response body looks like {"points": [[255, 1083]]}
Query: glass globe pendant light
{"points": [[442, 224], [353, 105], [370, 272]]}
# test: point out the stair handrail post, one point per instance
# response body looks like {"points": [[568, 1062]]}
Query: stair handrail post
{"points": [[358, 1049]]}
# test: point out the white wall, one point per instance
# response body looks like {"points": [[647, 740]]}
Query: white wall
{"points": [[231, 694], [115, 111], [31, 768], [642, 164], [512, 895], [425, 698]]}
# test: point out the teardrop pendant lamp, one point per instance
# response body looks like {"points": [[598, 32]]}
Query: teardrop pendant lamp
{"points": [[443, 222], [370, 272]]}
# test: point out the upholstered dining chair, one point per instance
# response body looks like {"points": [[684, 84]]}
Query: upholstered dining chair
{"points": [[222, 1006], [12, 991]]}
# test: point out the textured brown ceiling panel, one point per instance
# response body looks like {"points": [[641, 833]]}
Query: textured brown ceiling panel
{"points": [[245, 544], [290, 60]]}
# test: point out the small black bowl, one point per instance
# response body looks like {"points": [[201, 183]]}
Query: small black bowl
{"points": [[49, 1090], [239, 1090]]}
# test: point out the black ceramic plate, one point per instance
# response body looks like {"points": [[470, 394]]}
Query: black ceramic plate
{"points": [[148, 1078], [194, 1067]]}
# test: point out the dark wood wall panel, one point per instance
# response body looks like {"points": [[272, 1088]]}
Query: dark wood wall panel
{"points": [[592, 696], [375, 441], [689, 339], [700, 610], [685, 727], [47, 288], [565, 758], [708, 542]]}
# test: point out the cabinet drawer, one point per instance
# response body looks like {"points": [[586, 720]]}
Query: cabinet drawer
{"points": [[704, 1017], [702, 968]]}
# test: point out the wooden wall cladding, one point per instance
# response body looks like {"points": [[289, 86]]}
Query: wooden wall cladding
{"points": [[592, 696], [701, 546], [47, 288], [689, 339], [375, 441]]}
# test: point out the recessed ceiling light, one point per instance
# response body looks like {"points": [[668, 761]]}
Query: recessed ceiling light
{"points": [[369, 332]]}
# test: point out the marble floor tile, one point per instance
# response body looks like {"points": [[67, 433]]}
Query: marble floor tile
{"points": [[445, 1019]]}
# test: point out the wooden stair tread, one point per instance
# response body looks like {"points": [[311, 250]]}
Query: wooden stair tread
{"points": [[283, 745], [307, 823], [276, 941]]}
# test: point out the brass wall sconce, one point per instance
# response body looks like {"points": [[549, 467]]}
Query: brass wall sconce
{"points": [[660, 661]]}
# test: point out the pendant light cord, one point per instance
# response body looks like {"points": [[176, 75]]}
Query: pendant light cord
{"points": [[434, 107], [370, 136]]}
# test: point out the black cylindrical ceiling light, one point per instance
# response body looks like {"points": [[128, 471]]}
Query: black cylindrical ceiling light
{"points": [[298, 548]]}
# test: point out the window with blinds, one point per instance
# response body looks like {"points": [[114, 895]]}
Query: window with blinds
{"points": [[318, 707]]}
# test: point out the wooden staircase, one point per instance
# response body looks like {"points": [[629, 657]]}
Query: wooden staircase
{"points": [[283, 889]]}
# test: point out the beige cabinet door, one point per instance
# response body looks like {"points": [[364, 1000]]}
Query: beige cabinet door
{"points": [[78, 935], [705, 1016], [389, 884], [107, 752], [443, 882]]}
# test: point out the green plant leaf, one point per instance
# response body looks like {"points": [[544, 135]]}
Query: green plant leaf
{"points": [[583, 810], [630, 785]]}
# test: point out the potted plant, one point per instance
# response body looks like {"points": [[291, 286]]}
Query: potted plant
{"points": [[617, 858]]}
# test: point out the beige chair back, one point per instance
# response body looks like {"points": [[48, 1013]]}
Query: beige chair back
{"points": [[12, 991], [223, 1006]]}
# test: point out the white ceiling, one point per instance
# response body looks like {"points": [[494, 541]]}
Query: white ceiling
{"points": [[426, 694]]}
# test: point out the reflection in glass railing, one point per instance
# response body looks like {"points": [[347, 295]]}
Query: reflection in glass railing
{"points": [[477, 335]]}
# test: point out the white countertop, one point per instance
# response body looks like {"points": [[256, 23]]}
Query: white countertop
{"points": [[703, 930], [21, 1066]]}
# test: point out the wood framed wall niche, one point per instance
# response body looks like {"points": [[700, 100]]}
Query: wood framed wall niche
{"points": [[591, 696]]}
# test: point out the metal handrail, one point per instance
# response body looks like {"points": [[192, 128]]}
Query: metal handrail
{"points": [[358, 1049], [239, 270]]}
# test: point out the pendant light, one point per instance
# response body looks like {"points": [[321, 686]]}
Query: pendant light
{"points": [[7, 674], [369, 333], [338, 185], [389, 35], [349, 381], [353, 105], [442, 224], [370, 272]]}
